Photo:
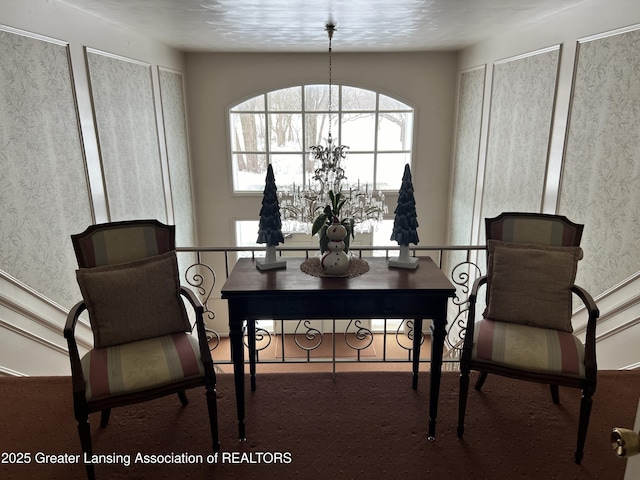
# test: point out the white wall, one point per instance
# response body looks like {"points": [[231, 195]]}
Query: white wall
{"points": [[30, 322], [618, 330], [565, 29], [57, 20], [31, 341], [216, 81]]}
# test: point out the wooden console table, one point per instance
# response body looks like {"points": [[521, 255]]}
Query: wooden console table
{"points": [[382, 292]]}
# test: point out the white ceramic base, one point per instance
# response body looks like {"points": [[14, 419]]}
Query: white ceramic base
{"points": [[270, 262], [411, 263], [264, 265]]}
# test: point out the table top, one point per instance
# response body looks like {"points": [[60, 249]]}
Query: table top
{"points": [[246, 279]]}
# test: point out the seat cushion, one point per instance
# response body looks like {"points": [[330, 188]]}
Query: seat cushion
{"points": [[528, 348], [140, 365], [133, 301], [531, 284]]}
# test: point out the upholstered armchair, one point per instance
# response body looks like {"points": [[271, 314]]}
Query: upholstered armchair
{"points": [[525, 331], [143, 343]]}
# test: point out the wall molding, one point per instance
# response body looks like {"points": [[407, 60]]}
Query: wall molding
{"points": [[35, 36], [33, 337], [608, 313], [528, 54], [618, 330], [23, 306], [114, 56], [633, 366], [29, 290], [7, 372], [611, 33], [624, 283]]}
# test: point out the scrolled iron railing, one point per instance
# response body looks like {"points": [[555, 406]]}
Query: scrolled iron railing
{"points": [[388, 339]]}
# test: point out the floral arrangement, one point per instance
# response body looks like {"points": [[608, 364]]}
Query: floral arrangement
{"points": [[329, 216]]}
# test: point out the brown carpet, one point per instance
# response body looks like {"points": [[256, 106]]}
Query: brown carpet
{"points": [[365, 425]]}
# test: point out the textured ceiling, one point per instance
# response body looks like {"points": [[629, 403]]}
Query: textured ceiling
{"points": [[298, 25]]}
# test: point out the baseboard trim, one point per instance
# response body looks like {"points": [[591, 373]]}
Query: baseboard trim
{"points": [[7, 372], [633, 366]]}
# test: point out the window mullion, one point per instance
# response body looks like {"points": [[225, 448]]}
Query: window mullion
{"points": [[340, 115], [304, 135], [375, 143], [267, 131]]}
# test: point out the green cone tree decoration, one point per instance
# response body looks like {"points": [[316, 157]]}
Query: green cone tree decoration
{"points": [[270, 227], [405, 223]]}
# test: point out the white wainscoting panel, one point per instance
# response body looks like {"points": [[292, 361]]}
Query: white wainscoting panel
{"points": [[618, 328], [31, 326]]}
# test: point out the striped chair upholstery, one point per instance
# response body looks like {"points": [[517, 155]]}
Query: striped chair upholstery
{"points": [[122, 242], [534, 228], [509, 344], [137, 366], [143, 346], [530, 336]]}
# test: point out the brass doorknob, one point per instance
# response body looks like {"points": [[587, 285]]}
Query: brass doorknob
{"points": [[625, 442]]}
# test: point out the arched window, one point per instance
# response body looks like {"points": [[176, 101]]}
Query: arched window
{"points": [[280, 126]]}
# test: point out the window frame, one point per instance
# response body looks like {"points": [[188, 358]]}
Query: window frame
{"points": [[336, 113]]}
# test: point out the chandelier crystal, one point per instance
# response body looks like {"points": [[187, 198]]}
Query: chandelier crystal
{"points": [[302, 204]]}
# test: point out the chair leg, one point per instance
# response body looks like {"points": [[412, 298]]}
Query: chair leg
{"points": [[104, 417], [84, 430], [585, 413], [212, 406], [480, 382], [462, 405], [555, 394], [183, 398]]}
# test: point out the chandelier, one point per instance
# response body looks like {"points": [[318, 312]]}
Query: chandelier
{"points": [[302, 204]]}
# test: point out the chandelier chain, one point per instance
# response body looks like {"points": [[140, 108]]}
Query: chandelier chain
{"points": [[303, 204], [330, 29]]}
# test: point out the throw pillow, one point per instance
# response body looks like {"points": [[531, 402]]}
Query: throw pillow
{"points": [[133, 301], [531, 284]]}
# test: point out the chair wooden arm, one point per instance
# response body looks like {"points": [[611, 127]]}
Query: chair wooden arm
{"points": [[588, 301], [468, 334], [205, 352], [473, 297], [74, 356], [590, 336], [72, 319], [476, 286], [192, 298]]}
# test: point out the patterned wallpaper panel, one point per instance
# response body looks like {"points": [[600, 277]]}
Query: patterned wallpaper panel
{"points": [[601, 177], [465, 168], [175, 129], [522, 102], [466, 156], [122, 95], [44, 194]]}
